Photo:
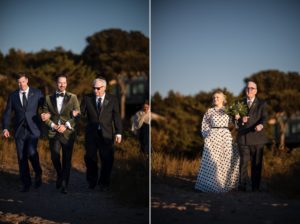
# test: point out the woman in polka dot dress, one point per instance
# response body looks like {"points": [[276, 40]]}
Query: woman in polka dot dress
{"points": [[219, 170]]}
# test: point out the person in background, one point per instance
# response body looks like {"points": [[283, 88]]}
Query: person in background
{"points": [[141, 126]]}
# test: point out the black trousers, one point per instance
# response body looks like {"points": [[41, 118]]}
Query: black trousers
{"points": [[27, 150], [62, 166], [144, 138], [253, 153], [95, 143]]}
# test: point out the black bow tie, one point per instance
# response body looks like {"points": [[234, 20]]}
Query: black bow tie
{"points": [[60, 94]]}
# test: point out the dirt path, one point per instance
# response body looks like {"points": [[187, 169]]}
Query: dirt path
{"points": [[180, 204], [80, 206]]}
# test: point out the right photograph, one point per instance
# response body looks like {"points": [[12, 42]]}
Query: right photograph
{"points": [[225, 111]]}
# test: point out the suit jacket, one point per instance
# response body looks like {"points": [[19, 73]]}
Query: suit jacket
{"points": [[70, 103], [257, 115], [109, 118], [22, 116]]}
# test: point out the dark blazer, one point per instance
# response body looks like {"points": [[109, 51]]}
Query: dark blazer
{"points": [[29, 115], [257, 115], [70, 103], [109, 117]]}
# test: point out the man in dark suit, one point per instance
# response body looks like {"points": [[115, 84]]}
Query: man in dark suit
{"points": [[25, 103], [103, 128], [251, 138], [62, 129]]}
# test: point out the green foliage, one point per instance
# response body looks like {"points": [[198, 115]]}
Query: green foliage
{"points": [[236, 108]]}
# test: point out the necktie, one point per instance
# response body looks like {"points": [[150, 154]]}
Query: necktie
{"points": [[249, 103], [24, 99], [99, 104]]}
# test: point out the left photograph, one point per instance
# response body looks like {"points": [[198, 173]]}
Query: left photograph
{"points": [[75, 112]]}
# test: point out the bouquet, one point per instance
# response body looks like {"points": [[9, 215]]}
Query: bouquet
{"points": [[237, 108]]}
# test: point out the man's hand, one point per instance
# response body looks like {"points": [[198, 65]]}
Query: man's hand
{"points": [[61, 128], [45, 116], [6, 133], [259, 127], [118, 139], [75, 113], [245, 119]]}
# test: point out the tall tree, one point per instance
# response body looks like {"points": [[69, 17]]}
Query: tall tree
{"points": [[118, 55]]}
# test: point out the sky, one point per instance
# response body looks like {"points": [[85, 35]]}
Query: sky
{"points": [[207, 44], [33, 25]]}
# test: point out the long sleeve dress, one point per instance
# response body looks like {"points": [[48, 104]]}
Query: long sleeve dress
{"points": [[219, 169]]}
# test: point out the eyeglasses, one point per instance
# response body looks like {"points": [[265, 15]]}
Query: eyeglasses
{"points": [[250, 88], [97, 88]]}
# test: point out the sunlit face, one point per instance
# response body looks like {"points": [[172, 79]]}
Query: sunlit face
{"points": [[61, 84], [99, 88], [23, 83], [251, 90], [218, 99], [146, 107]]}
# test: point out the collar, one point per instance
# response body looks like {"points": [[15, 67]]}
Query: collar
{"points": [[252, 100], [57, 92], [26, 91], [102, 97]]}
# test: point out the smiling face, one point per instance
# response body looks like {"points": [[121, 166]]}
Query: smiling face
{"points": [[251, 90], [23, 83], [61, 84], [218, 99]]}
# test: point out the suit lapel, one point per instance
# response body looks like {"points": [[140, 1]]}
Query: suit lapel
{"points": [[17, 99], [65, 102], [105, 103], [94, 103], [53, 101], [254, 104], [30, 97]]}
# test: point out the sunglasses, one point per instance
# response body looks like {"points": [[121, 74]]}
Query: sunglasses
{"points": [[98, 88]]}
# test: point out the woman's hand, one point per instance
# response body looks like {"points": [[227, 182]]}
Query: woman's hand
{"points": [[237, 116]]}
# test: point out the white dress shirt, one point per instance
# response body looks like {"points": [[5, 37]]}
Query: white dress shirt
{"points": [[21, 94]]}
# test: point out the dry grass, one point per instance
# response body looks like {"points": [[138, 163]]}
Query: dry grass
{"points": [[130, 177], [280, 172]]}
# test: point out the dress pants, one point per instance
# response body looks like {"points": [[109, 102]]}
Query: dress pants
{"points": [[96, 143], [62, 167], [144, 138], [253, 153], [27, 149]]}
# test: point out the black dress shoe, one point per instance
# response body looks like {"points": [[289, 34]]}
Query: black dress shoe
{"points": [[92, 185], [38, 181], [25, 188], [58, 182], [64, 188], [104, 188], [242, 188]]}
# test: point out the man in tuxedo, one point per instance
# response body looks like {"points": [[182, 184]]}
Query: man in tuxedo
{"points": [[24, 103], [62, 129], [103, 128], [251, 138]]}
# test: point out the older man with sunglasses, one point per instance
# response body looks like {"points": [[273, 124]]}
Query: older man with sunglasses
{"points": [[103, 128]]}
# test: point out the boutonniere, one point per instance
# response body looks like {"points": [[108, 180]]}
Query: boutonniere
{"points": [[31, 94]]}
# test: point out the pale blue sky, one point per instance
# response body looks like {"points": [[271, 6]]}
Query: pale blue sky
{"points": [[205, 44], [33, 25]]}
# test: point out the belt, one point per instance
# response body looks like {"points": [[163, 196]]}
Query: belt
{"points": [[220, 127]]}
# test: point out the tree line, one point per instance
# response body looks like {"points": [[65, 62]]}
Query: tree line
{"points": [[178, 129], [115, 54]]}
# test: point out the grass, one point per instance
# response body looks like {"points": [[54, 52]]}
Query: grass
{"points": [[281, 172], [130, 176]]}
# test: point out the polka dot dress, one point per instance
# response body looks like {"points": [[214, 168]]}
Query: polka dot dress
{"points": [[219, 169]]}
